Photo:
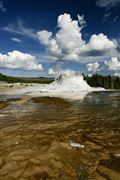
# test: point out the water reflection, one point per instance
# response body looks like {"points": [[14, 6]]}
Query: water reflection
{"points": [[103, 98]]}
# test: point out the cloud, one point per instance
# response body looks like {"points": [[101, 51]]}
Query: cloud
{"points": [[90, 75], [52, 71], [2, 8], [93, 67], [19, 60], [81, 20], [44, 37], [113, 64], [115, 18], [16, 40], [106, 15], [107, 3], [68, 45], [20, 30], [116, 74], [100, 44]]}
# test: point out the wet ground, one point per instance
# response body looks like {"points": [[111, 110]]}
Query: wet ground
{"points": [[38, 135]]}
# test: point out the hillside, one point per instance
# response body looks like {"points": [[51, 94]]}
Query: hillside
{"points": [[11, 79]]}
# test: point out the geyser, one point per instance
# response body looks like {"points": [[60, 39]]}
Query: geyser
{"points": [[72, 82], [67, 85]]}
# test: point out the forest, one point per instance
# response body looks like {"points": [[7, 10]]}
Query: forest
{"points": [[107, 82]]}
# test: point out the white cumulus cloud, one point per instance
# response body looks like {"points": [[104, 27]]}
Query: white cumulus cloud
{"points": [[52, 71], [44, 37], [113, 64], [116, 74], [93, 67], [19, 60], [100, 43], [67, 44]]}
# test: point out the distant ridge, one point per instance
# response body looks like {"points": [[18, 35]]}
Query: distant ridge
{"points": [[11, 79]]}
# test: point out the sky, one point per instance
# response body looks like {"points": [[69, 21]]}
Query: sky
{"points": [[41, 38]]}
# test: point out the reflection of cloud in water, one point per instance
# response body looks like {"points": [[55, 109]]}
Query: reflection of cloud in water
{"points": [[104, 97], [92, 99], [115, 104]]}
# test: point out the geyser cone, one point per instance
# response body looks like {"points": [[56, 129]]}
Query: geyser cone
{"points": [[72, 81]]}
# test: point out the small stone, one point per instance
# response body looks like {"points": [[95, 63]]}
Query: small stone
{"points": [[77, 145], [17, 142], [117, 155]]}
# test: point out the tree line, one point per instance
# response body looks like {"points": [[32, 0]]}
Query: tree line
{"points": [[11, 79], [107, 82]]}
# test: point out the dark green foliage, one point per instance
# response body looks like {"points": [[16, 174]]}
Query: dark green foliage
{"points": [[11, 79], [108, 82]]}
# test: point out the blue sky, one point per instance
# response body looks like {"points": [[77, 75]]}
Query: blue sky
{"points": [[22, 20]]}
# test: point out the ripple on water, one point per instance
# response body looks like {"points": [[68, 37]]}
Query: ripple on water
{"points": [[36, 136]]}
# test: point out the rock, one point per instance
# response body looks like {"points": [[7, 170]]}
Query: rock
{"points": [[59, 145], [16, 174], [19, 157], [35, 161], [97, 176], [56, 164], [38, 172], [108, 173], [21, 152], [17, 142], [92, 145], [10, 166], [82, 174], [2, 162]]}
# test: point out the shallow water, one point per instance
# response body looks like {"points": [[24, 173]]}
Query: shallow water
{"points": [[36, 136]]}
